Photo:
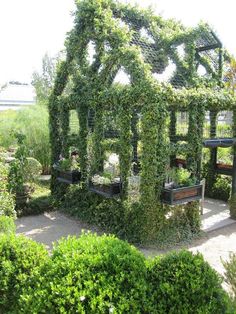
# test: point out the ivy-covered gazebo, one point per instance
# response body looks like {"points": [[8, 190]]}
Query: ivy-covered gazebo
{"points": [[170, 72]]}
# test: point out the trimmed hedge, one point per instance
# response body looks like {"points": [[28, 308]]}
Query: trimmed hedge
{"points": [[94, 274], [20, 259], [181, 282], [90, 275]]}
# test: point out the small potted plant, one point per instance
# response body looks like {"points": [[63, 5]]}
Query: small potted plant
{"points": [[181, 188], [105, 184], [69, 169], [108, 182]]}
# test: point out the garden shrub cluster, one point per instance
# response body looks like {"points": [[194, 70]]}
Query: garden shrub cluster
{"points": [[7, 202], [33, 123], [93, 274], [22, 181], [127, 220]]}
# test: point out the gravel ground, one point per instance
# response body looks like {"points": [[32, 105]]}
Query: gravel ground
{"points": [[49, 227]]}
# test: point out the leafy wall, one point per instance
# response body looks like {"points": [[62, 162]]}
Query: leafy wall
{"points": [[142, 45]]}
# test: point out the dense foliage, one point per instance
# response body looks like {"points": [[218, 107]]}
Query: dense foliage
{"points": [[7, 225], [222, 188], [93, 274], [109, 37], [90, 275], [7, 201], [185, 283], [20, 259]]}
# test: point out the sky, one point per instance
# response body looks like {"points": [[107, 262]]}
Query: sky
{"points": [[31, 28]]}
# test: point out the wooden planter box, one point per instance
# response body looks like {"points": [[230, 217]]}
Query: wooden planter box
{"points": [[224, 169], [69, 177], [182, 194], [111, 190]]}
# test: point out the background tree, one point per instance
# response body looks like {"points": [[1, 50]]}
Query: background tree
{"points": [[43, 81]]}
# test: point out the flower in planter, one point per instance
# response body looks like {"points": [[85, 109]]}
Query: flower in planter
{"points": [[111, 172], [68, 164], [178, 177], [105, 178]]}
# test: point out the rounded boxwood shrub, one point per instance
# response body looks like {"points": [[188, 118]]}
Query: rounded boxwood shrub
{"points": [[90, 274], [20, 259], [7, 225], [181, 282], [32, 169]]}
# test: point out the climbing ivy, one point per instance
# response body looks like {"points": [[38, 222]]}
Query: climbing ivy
{"points": [[114, 31]]}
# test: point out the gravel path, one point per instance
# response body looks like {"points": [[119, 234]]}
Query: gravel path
{"points": [[50, 227]]}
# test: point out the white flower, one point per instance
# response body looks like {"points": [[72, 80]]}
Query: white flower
{"points": [[82, 298], [111, 309]]}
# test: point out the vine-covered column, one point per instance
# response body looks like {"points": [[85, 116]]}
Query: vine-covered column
{"points": [[150, 120], [195, 138], [163, 153], [211, 175], [55, 128], [82, 111], [134, 129], [98, 152], [172, 133], [65, 126], [54, 118], [125, 153], [55, 137]]}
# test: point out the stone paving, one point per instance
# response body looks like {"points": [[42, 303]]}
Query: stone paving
{"points": [[216, 243], [215, 215]]}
